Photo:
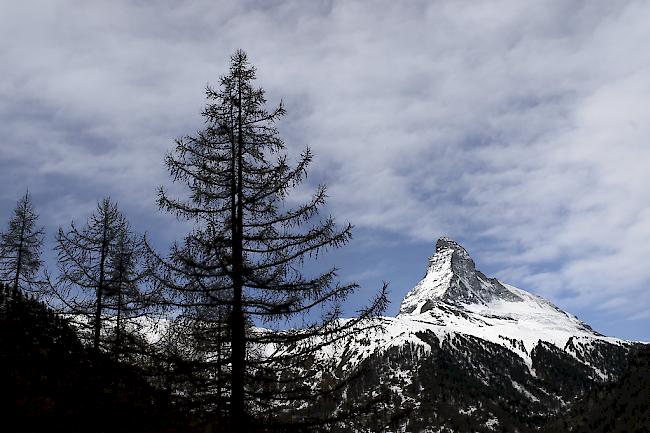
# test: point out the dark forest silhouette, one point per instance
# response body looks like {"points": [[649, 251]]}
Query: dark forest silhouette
{"points": [[219, 303]]}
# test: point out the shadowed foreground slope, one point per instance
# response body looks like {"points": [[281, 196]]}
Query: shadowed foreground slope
{"points": [[51, 382]]}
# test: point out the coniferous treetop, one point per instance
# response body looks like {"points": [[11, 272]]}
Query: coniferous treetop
{"points": [[20, 248]]}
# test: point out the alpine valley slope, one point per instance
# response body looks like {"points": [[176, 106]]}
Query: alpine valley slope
{"points": [[468, 353]]}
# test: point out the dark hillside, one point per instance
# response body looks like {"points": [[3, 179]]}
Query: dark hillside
{"points": [[51, 382], [619, 407]]}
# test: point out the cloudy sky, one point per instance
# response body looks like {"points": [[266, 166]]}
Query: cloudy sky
{"points": [[521, 129]]}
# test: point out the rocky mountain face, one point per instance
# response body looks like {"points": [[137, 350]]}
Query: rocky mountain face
{"points": [[468, 353]]}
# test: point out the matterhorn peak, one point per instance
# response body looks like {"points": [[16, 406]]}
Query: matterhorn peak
{"points": [[445, 243], [450, 250], [452, 278]]}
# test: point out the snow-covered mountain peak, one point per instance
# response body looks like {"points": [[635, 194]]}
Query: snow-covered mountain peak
{"points": [[501, 343], [452, 278], [455, 295], [496, 336]]}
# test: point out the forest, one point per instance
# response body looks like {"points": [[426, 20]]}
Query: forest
{"points": [[216, 334]]}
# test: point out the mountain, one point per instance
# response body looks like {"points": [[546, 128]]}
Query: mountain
{"points": [[455, 297], [468, 353]]}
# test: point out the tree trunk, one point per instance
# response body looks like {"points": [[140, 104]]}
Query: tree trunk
{"points": [[118, 327], [100, 286], [238, 337], [19, 259]]}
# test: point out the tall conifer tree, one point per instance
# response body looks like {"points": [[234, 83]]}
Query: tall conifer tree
{"points": [[126, 299], [241, 265], [20, 248], [85, 265]]}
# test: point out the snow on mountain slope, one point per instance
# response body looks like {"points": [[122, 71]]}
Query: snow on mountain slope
{"points": [[454, 298], [469, 353]]}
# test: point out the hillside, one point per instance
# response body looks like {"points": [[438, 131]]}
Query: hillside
{"points": [[51, 382]]}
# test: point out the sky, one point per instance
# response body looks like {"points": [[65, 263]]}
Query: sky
{"points": [[520, 129]]}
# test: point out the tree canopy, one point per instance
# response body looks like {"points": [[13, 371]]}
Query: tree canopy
{"points": [[239, 273]]}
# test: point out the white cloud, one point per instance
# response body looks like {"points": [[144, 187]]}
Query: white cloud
{"points": [[521, 127]]}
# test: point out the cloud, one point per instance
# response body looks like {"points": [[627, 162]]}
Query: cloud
{"points": [[519, 128]]}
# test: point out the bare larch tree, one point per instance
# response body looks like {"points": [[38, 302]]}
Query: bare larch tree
{"points": [[240, 273], [126, 299], [85, 265], [20, 248]]}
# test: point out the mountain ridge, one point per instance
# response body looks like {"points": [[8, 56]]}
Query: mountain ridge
{"points": [[468, 353], [455, 295]]}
